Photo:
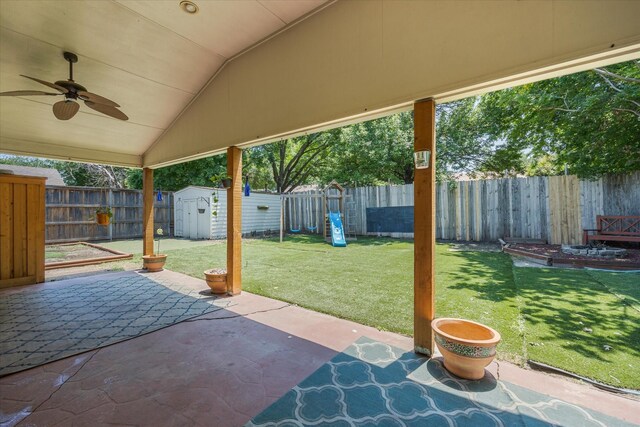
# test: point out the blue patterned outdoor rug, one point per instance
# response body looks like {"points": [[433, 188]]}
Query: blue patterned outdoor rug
{"points": [[42, 326], [374, 384]]}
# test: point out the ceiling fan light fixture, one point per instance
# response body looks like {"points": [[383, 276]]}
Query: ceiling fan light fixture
{"points": [[66, 109], [189, 6]]}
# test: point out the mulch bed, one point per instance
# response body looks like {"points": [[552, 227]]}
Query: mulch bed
{"points": [[552, 255], [79, 254]]}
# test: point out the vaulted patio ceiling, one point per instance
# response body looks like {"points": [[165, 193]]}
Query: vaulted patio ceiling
{"points": [[342, 62], [150, 57]]}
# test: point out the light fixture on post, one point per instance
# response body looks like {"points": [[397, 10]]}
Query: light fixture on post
{"points": [[422, 159]]}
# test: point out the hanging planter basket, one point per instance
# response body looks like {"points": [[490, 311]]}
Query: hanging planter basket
{"points": [[103, 219]]}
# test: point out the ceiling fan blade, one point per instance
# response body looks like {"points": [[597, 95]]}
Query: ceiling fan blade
{"points": [[108, 110], [51, 85], [64, 110], [26, 92], [96, 99]]}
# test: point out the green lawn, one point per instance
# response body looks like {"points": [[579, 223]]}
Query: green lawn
{"points": [[570, 316], [541, 313]]}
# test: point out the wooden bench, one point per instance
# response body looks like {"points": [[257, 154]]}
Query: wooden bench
{"points": [[614, 228]]}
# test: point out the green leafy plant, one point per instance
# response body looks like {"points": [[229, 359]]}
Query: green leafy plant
{"points": [[221, 180], [214, 207]]}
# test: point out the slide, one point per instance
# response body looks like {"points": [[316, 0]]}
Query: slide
{"points": [[337, 232]]}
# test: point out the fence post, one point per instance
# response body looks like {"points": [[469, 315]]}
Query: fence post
{"points": [[147, 211]]}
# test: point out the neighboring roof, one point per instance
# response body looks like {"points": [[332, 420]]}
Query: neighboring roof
{"points": [[305, 188], [52, 175], [463, 176]]}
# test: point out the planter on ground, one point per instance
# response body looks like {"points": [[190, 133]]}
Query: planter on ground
{"points": [[217, 280], [154, 262], [467, 347]]}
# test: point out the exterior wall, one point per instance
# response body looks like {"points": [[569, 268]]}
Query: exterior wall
{"points": [[254, 220]]}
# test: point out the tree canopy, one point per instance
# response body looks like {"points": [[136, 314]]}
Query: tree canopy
{"points": [[588, 121]]}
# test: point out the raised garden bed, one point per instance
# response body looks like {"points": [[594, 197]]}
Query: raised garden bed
{"points": [[552, 255], [80, 253]]}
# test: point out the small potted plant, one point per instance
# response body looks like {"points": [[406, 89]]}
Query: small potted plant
{"points": [[155, 261], [104, 215], [222, 180], [217, 280], [226, 181]]}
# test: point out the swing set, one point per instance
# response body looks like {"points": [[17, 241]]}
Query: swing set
{"points": [[309, 212]]}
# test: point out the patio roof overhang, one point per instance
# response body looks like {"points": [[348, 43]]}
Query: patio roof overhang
{"points": [[195, 85]]}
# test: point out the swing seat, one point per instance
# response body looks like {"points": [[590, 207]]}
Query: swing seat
{"points": [[294, 231], [312, 228]]}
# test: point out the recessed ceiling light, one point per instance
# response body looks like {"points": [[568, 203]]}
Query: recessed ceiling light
{"points": [[188, 6]]}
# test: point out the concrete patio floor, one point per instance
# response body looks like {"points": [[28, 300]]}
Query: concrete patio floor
{"points": [[219, 369]]}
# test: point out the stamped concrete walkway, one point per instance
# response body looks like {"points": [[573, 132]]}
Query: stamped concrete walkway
{"points": [[220, 369]]}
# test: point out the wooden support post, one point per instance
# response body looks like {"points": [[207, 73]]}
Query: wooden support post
{"points": [[234, 221], [110, 204], [424, 192], [169, 213], [281, 218], [147, 211]]}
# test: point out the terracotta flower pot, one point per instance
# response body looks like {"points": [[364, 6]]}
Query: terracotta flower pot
{"points": [[217, 280], [103, 218], [154, 262], [466, 346]]}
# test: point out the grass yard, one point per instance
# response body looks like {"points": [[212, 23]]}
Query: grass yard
{"points": [[571, 315], [541, 313]]}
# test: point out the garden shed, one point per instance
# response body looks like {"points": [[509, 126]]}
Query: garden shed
{"points": [[200, 213]]}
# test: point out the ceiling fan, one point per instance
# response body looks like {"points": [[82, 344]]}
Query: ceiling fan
{"points": [[72, 91]]}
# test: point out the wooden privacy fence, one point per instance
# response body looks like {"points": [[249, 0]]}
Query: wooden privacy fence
{"points": [[555, 209], [70, 213]]}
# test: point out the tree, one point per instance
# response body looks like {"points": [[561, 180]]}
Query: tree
{"points": [[462, 144], [374, 152], [294, 161], [176, 177], [588, 121]]}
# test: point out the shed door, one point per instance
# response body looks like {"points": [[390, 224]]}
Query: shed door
{"points": [[189, 221]]}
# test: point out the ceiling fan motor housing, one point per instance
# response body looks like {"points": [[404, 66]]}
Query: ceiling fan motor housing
{"points": [[72, 87]]}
